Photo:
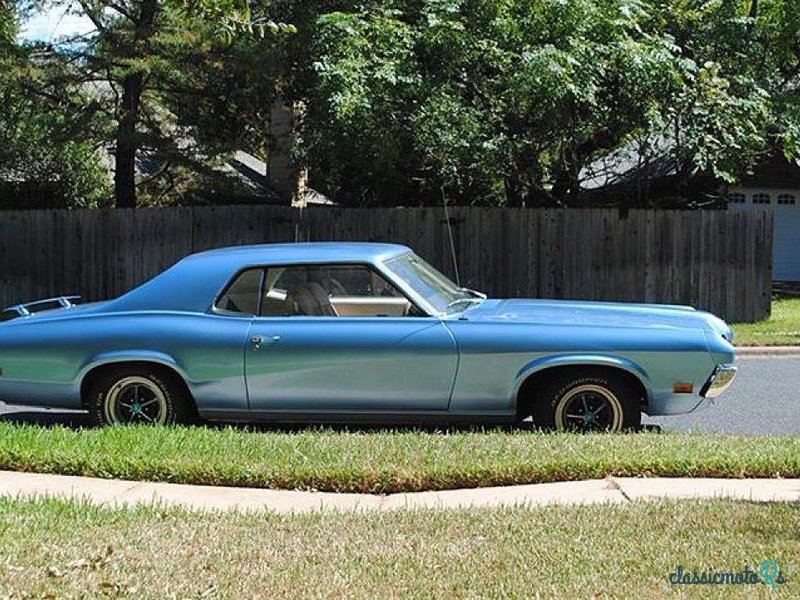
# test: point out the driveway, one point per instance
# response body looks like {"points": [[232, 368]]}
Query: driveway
{"points": [[765, 400]]}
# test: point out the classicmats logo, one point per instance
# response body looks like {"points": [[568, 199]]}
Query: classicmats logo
{"points": [[768, 573]]}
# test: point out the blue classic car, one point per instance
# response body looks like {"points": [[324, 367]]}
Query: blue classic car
{"points": [[350, 332]]}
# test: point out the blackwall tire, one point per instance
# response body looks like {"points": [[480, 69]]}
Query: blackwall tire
{"points": [[138, 396], [587, 402]]}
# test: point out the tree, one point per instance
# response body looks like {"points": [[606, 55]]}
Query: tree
{"points": [[148, 64], [508, 102], [8, 25], [499, 102], [737, 102], [39, 148], [505, 102]]}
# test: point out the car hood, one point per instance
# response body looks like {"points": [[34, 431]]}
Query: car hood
{"points": [[612, 314]]}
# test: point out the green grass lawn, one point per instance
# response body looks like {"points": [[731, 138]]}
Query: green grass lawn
{"points": [[781, 329], [384, 461], [55, 549]]}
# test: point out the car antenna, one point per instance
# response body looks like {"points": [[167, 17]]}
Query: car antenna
{"points": [[450, 234]]}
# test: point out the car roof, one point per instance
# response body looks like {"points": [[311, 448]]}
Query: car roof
{"points": [[193, 283], [304, 252]]}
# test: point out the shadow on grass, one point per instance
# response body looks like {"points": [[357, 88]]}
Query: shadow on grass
{"points": [[45, 417], [73, 419]]}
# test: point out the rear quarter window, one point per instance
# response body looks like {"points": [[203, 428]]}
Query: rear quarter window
{"points": [[8, 315], [244, 294]]}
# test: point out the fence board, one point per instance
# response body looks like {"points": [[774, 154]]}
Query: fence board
{"points": [[714, 260]]}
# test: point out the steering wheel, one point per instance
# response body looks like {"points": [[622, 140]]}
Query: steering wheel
{"points": [[335, 288]]}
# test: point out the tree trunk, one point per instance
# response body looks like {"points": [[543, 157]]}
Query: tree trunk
{"points": [[127, 144], [512, 188], [128, 119]]}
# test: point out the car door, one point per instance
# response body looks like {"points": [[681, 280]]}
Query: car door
{"points": [[341, 339]]}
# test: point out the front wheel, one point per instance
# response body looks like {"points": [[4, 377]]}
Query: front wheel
{"points": [[587, 402], [137, 396]]}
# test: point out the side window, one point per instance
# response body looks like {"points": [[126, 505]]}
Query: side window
{"points": [[330, 291], [360, 282], [242, 296]]}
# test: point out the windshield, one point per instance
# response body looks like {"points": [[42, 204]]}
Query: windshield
{"points": [[441, 293]]}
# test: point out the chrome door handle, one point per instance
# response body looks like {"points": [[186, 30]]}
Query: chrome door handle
{"points": [[258, 340]]}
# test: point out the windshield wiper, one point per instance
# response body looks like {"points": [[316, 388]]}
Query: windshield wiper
{"points": [[475, 293], [467, 300]]}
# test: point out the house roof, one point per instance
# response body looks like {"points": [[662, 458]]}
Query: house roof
{"points": [[774, 173], [625, 165]]}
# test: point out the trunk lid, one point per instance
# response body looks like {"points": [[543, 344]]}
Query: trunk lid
{"points": [[46, 310]]}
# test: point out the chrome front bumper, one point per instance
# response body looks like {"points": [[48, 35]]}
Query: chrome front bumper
{"points": [[719, 382]]}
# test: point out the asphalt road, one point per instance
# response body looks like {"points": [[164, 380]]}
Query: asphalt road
{"points": [[765, 400]]}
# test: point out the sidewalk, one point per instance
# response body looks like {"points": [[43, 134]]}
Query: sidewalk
{"points": [[767, 350], [617, 490]]}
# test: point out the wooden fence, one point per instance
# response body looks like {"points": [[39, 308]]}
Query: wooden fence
{"points": [[714, 260]]}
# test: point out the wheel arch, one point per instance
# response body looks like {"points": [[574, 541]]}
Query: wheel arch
{"points": [[158, 361], [537, 371]]}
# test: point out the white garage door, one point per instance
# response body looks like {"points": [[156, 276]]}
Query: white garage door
{"points": [[785, 205], [786, 242]]}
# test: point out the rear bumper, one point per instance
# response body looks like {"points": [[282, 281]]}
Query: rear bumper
{"points": [[719, 382]]}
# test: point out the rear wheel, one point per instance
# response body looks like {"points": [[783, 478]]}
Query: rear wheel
{"points": [[587, 402], [138, 396]]}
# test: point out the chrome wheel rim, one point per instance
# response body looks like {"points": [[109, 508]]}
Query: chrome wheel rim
{"points": [[135, 400], [589, 408]]}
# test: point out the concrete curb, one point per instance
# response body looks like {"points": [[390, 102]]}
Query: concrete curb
{"points": [[612, 490], [767, 351]]}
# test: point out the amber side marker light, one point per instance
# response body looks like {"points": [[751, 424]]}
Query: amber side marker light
{"points": [[683, 388]]}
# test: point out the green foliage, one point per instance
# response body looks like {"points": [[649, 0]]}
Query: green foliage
{"points": [[488, 98], [720, 131], [70, 171], [507, 101], [231, 17], [8, 25], [482, 101], [40, 144], [358, 110], [738, 99], [168, 85], [219, 92]]}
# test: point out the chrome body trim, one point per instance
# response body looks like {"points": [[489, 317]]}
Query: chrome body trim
{"points": [[719, 382], [24, 309]]}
